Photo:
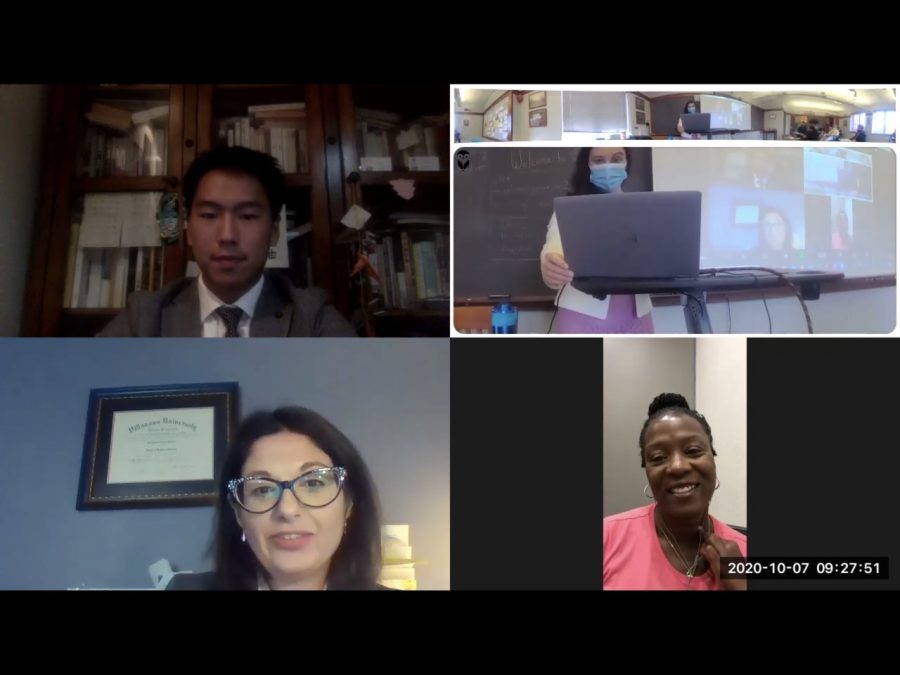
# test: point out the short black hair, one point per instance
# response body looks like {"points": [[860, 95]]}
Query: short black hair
{"points": [[261, 166], [673, 404], [357, 561], [580, 181], [695, 103]]}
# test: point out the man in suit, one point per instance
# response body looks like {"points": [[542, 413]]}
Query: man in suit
{"points": [[233, 197]]}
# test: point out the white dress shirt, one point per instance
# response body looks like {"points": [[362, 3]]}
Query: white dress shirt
{"points": [[212, 323]]}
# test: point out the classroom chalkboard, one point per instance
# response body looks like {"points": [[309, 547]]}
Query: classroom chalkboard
{"points": [[502, 203]]}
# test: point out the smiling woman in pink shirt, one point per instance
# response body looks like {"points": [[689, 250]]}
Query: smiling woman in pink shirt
{"points": [[672, 544]]}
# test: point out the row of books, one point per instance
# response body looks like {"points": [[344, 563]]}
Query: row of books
{"points": [[107, 153], [387, 143], [278, 130], [413, 267], [103, 277], [121, 142]]}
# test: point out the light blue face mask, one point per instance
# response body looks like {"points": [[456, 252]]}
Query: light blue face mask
{"points": [[608, 176]]}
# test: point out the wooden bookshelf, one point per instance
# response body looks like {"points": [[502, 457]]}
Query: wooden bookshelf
{"points": [[420, 177], [319, 196], [84, 184]]}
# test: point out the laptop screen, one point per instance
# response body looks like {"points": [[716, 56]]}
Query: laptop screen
{"points": [[695, 123]]}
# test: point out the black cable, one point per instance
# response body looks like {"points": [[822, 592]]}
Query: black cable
{"points": [[766, 305], [556, 309], [700, 304], [728, 302], [780, 276]]}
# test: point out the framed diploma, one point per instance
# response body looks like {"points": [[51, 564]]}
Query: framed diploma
{"points": [[150, 447]]}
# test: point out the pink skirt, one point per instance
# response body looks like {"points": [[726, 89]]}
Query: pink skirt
{"points": [[621, 318]]}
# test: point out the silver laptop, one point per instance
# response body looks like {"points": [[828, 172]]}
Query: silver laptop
{"points": [[631, 235], [696, 123]]}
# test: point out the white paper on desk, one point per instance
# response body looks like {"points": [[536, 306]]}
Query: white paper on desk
{"points": [[356, 217], [101, 225], [140, 227]]}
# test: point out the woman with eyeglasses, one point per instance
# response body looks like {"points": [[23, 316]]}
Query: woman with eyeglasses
{"points": [[673, 543], [297, 510]]}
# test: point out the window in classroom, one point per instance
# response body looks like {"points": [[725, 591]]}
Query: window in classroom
{"points": [[883, 121]]}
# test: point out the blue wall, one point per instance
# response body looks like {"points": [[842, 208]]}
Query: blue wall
{"points": [[391, 397]]}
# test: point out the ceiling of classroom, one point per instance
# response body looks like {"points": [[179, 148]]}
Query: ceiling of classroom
{"points": [[838, 102], [474, 100]]}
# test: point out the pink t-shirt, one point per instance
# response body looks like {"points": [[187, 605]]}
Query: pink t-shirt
{"points": [[634, 560]]}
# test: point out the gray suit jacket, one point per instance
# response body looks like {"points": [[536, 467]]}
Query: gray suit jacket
{"points": [[281, 311]]}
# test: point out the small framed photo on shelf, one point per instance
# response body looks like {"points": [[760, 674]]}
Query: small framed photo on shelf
{"points": [[537, 118], [159, 446], [537, 99]]}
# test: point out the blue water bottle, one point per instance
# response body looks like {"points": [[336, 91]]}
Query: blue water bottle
{"points": [[504, 318]]}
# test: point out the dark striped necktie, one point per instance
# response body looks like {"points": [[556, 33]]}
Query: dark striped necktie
{"points": [[231, 317]]}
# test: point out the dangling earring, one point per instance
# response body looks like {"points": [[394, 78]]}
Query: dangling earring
{"points": [[243, 536], [345, 525], [645, 492]]}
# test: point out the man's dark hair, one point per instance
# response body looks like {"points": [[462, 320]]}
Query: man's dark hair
{"points": [[261, 166]]}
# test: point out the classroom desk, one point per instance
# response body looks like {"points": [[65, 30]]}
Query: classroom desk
{"points": [[713, 133], [732, 132], [694, 291]]}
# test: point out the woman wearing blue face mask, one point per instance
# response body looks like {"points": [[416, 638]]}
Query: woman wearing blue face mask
{"points": [[597, 171], [690, 108]]}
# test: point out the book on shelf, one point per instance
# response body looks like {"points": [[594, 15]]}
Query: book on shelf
{"points": [[149, 114], [410, 252], [295, 107], [112, 249], [109, 116], [141, 152], [385, 141], [279, 130]]}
